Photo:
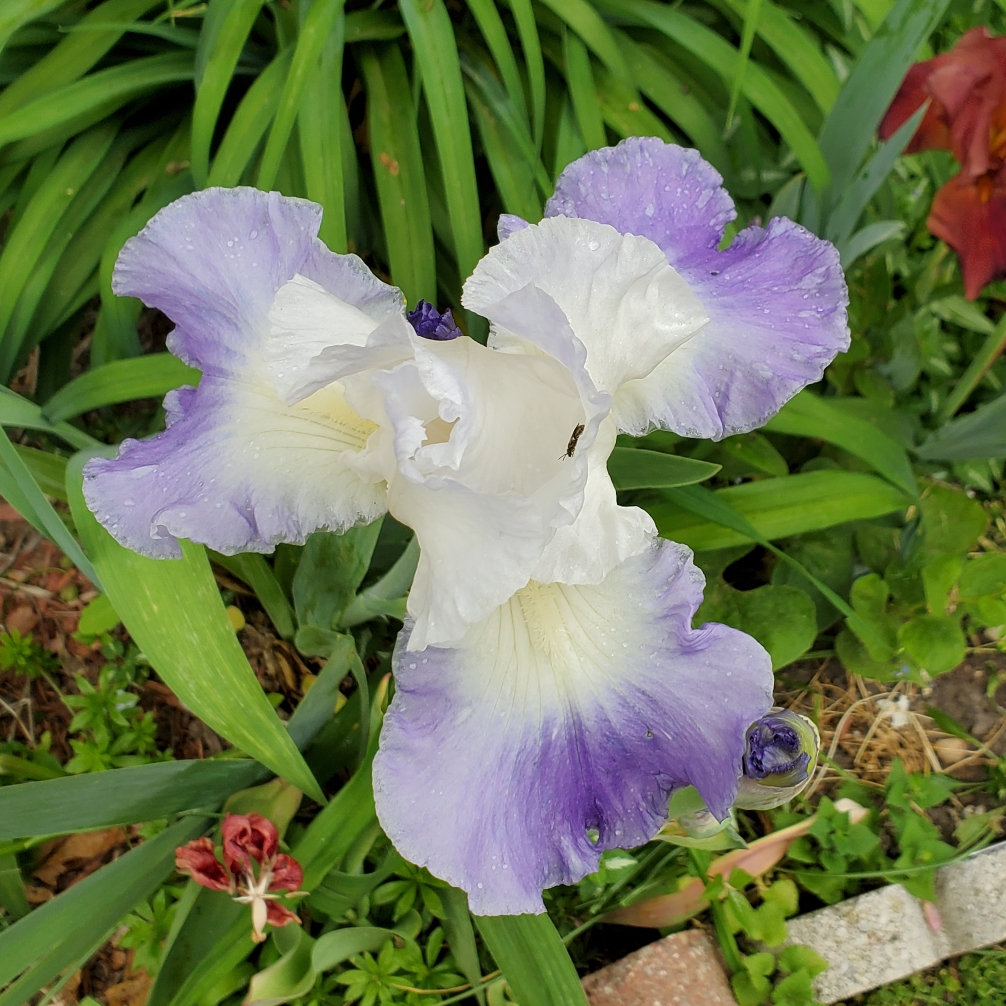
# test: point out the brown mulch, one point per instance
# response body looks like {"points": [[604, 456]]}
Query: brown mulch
{"points": [[865, 725], [41, 596]]}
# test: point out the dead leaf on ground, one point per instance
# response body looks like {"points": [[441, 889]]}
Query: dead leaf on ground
{"points": [[133, 990], [82, 853]]}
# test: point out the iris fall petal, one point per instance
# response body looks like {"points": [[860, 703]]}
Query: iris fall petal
{"points": [[238, 469], [569, 711]]}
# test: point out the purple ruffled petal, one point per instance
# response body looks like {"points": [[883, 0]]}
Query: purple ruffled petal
{"points": [[776, 298], [237, 469], [569, 710], [647, 187], [212, 261]]}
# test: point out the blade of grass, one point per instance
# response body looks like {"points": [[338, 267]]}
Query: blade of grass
{"points": [[487, 17], [12, 897], [18, 334], [583, 19], [979, 366], [172, 608], [151, 376], [624, 112], [74, 55], [249, 123], [757, 85], [217, 62], [47, 470], [534, 64], [869, 237], [320, 131], [781, 507], [115, 334], [533, 959], [583, 91], [22, 492], [60, 932], [314, 34], [436, 53], [797, 49], [398, 171], [369, 25], [861, 190], [16, 13], [499, 104], [26, 242], [714, 507], [83, 253], [873, 82], [122, 796], [18, 411], [511, 172], [637, 468], [99, 94], [752, 12], [668, 92], [808, 415], [258, 574]]}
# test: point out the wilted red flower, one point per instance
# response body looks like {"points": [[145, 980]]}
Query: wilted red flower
{"points": [[966, 88], [199, 861], [252, 872]]}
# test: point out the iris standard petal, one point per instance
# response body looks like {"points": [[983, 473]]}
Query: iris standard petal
{"points": [[776, 298], [480, 471], [558, 727], [622, 300], [238, 469]]}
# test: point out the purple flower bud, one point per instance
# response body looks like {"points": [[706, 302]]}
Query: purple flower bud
{"points": [[431, 324], [779, 759]]}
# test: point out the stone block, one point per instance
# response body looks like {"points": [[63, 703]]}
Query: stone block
{"points": [[971, 898], [869, 940], [679, 970]]}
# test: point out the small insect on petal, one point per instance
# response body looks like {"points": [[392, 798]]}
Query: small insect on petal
{"points": [[574, 438]]}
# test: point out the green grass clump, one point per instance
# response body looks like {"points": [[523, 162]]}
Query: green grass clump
{"points": [[977, 979]]}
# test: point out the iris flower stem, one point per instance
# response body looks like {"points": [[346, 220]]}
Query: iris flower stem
{"points": [[728, 942]]}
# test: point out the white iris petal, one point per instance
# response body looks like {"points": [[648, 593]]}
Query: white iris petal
{"points": [[497, 457]]}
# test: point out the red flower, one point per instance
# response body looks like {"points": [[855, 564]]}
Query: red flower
{"points": [[967, 114], [252, 872], [970, 215], [198, 860], [248, 837]]}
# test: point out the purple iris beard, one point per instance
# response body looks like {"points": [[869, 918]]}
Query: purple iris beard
{"points": [[773, 746], [431, 324]]}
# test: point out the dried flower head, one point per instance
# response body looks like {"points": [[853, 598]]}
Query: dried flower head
{"points": [[253, 872]]}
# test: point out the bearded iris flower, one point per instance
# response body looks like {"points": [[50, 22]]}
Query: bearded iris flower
{"points": [[551, 692]]}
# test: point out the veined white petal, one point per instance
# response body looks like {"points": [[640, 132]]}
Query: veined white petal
{"points": [[623, 301], [567, 710], [304, 319]]}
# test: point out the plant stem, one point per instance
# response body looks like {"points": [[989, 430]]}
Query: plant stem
{"points": [[979, 366], [728, 942]]}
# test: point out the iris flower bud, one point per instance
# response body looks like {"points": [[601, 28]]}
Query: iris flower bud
{"points": [[431, 324], [779, 759]]}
